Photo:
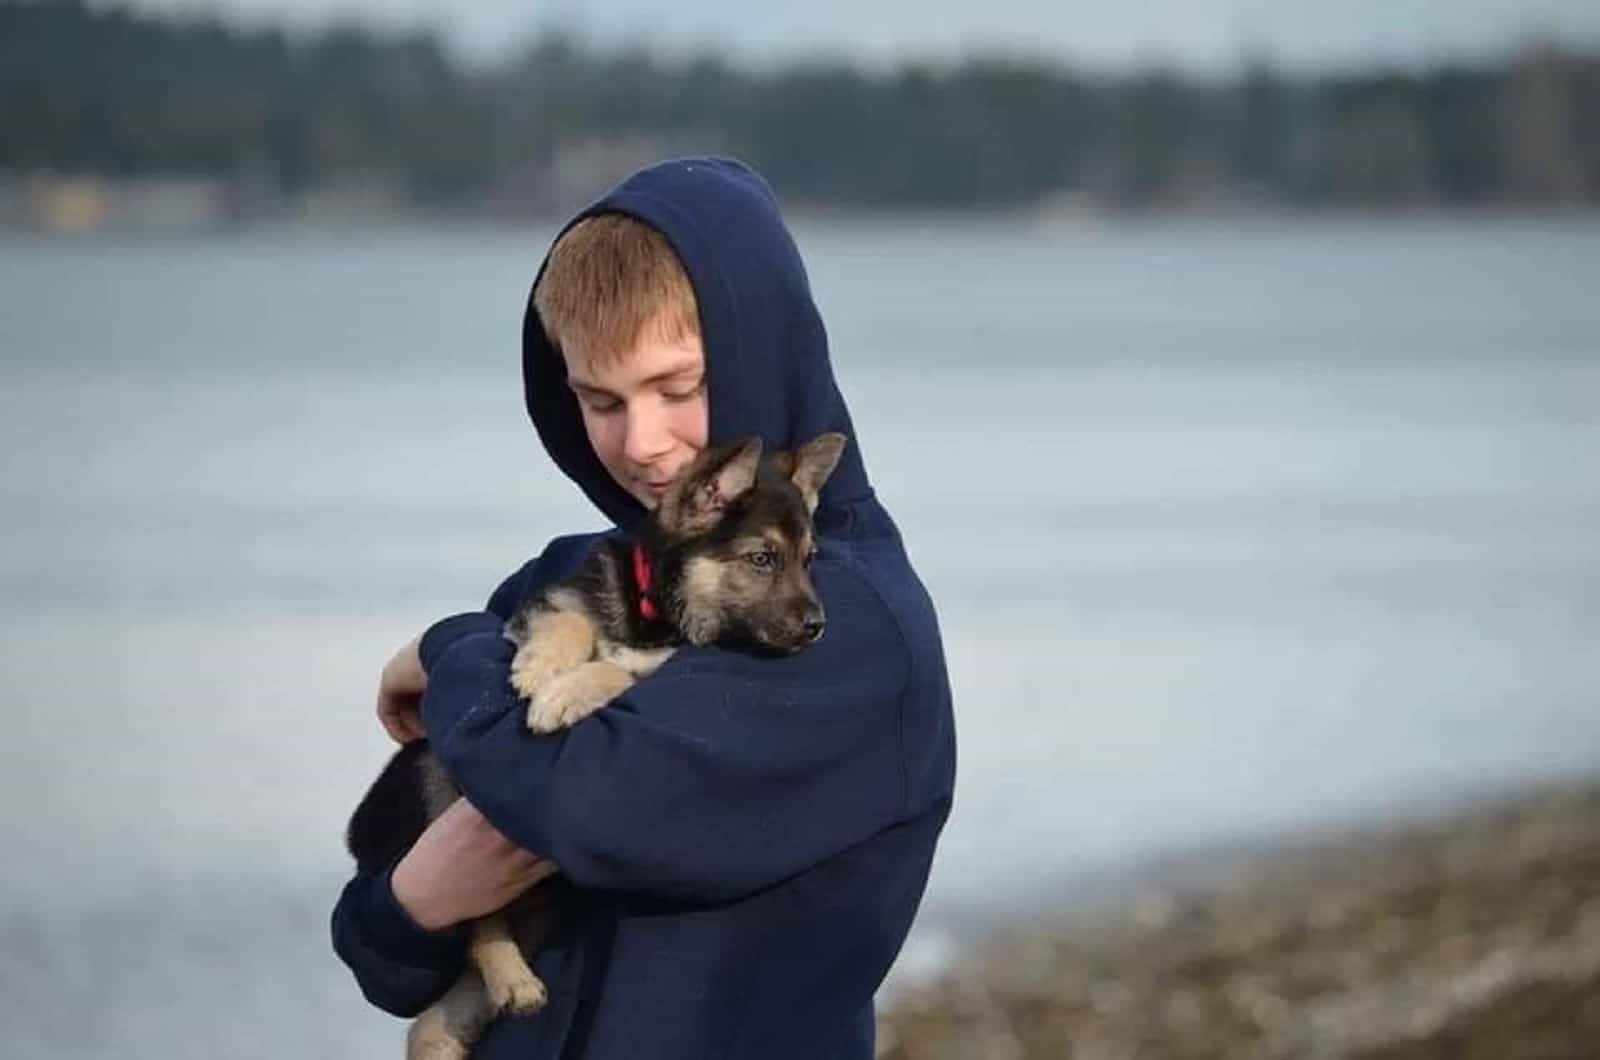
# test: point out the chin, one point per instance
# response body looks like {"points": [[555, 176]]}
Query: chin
{"points": [[767, 645]]}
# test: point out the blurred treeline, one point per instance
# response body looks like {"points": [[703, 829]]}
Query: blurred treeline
{"points": [[92, 90]]}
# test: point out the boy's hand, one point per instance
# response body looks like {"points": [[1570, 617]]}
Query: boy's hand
{"points": [[461, 868], [400, 691]]}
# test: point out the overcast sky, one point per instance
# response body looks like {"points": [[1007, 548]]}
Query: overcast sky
{"points": [[1200, 34]]}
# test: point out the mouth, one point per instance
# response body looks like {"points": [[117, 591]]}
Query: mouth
{"points": [[778, 645]]}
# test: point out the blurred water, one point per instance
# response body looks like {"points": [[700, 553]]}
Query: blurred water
{"points": [[1234, 530]]}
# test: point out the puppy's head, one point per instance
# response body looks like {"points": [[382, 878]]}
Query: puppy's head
{"points": [[737, 543]]}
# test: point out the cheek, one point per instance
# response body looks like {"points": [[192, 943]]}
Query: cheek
{"points": [[690, 423], [604, 437]]}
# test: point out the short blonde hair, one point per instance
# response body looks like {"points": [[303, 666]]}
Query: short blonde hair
{"points": [[611, 282]]}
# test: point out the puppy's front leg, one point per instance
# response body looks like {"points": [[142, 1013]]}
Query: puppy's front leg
{"points": [[510, 983], [555, 641], [570, 697]]}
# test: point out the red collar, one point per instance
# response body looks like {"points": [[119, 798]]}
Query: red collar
{"points": [[643, 576]]}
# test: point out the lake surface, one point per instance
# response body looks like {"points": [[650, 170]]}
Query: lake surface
{"points": [[1236, 531]]}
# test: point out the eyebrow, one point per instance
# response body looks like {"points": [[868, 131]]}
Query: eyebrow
{"points": [[659, 377]]}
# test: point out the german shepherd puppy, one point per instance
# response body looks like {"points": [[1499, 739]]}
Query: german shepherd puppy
{"points": [[723, 559]]}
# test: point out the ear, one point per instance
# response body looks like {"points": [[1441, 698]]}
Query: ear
{"points": [[813, 463], [715, 479]]}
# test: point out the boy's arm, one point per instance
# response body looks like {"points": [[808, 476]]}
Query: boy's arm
{"points": [[401, 966], [719, 775], [397, 929]]}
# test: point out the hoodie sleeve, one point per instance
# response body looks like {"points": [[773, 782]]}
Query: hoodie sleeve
{"points": [[401, 967], [504, 600], [718, 776]]}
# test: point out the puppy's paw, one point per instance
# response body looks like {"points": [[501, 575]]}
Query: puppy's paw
{"points": [[558, 705], [507, 979], [570, 697], [520, 995], [532, 668], [554, 643]]}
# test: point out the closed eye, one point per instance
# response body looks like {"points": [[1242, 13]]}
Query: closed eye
{"points": [[685, 395], [595, 400]]}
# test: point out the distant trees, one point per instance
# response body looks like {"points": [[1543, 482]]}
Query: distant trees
{"points": [[101, 90], [91, 89]]}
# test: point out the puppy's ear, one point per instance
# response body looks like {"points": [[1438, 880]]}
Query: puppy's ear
{"points": [[712, 481], [809, 466]]}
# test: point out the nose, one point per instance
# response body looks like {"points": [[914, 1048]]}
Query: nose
{"points": [[812, 625], [647, 439]]}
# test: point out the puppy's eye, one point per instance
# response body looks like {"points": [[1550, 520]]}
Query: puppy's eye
{"points": [[761, 560], [810, 556]]}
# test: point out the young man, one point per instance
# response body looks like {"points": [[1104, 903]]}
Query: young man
{"points": [[742, 841]]}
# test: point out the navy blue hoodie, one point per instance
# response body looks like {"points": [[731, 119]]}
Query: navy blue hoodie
{"points": [[743, 842]]}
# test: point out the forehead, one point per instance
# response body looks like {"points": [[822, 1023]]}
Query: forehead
{"points": [[774, 511], [649, 361]]}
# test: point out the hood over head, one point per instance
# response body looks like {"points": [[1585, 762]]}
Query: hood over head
{"points": [[767, 365]]}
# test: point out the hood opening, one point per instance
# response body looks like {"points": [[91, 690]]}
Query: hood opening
{"points": [[768, 370]]}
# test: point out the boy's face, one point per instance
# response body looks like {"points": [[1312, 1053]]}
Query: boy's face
{"points": [[646, 414]]}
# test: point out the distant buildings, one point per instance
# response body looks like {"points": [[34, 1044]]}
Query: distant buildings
{"points": [[63, 203]]}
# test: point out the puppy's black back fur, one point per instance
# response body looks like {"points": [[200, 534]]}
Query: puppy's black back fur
{"points": [[393, 814]]}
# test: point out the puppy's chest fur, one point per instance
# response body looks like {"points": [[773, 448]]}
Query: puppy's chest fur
{"points": [[639, 662], [584, 640]]}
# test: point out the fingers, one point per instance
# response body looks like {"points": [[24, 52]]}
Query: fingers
{"points": [[400, 688], [400, 720], [397, 726], [402, 727]]}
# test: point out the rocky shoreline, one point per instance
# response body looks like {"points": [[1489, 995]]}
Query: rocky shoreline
{"points": [[1475, 936]]}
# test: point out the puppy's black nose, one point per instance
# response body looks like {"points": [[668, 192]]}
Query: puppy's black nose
{"points": [[813, 626]]}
